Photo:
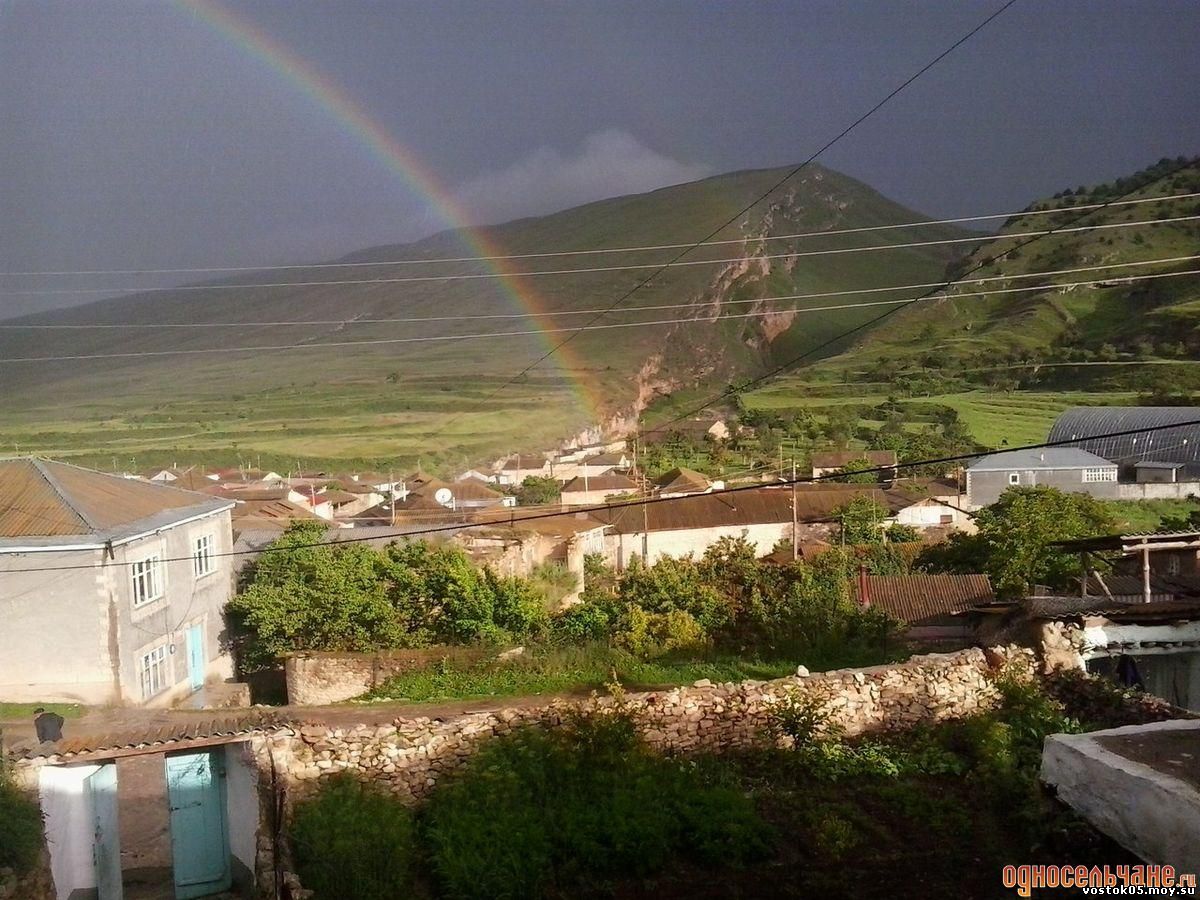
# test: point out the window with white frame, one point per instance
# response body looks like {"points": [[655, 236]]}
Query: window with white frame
{"points": [[1014, 477], [148, 581], [1090, 476], [153, 671], [202, 556]]}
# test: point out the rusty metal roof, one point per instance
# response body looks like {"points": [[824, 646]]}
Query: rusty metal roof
{"points": [[762, 506], [681, 479], [49, 501], [608, 481], [918, 598], [159, 730]]}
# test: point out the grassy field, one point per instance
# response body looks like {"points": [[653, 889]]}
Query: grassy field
{"points": [[994, 418], [422, 359], [1136, 516]]}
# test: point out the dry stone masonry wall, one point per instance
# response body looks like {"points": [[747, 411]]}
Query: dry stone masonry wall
{"points": [[317, 679], [410, 754]]}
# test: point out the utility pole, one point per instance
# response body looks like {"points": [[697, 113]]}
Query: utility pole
{"points": [[795, 519]]}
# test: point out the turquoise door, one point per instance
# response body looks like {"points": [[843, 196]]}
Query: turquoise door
{"points": [[199, 838], [195, 655], [106, 841]]}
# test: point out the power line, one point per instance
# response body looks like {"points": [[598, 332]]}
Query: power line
{"points": [[659, 267], [417, 261], [83, 326], [721, 227], [572, 511], [929, 294], [376, 342]]}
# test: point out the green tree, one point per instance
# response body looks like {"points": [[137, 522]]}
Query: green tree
{"points": [[538, 490], [1012, 545], [855, 472], [862, 521]]}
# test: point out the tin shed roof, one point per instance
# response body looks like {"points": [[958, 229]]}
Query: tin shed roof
{"points": [[53, 503]]}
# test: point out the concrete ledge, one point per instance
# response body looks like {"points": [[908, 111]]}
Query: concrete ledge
{"points": [[1153, 813]]}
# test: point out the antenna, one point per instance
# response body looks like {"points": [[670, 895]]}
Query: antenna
{"points": [[443, 496]]}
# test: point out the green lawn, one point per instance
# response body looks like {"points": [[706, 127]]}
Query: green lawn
{"points": [[1136, 516], [563, 670], [20, 712]]}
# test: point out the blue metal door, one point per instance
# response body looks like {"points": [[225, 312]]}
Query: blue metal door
{"points": [[199, 838], [195, 655], [106, 842]]}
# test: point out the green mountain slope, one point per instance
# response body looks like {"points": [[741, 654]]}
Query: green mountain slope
{"points": [[421, 399]]}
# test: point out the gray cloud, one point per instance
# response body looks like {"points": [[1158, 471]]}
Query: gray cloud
{"points": [[606, 164]]}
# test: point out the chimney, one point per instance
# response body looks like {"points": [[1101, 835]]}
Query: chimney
{"points": [[864, 591]]}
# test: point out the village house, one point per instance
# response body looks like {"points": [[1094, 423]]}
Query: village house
{"points": [[516, 469], [832, 462], [586, 491], [932, 607], [763, 516], [112, 590], [679, 482], [1065, 468], [476, 475], [698, 431]]}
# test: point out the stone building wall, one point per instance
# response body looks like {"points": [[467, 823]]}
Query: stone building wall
{"points": [[408, 755], [316, 679]]}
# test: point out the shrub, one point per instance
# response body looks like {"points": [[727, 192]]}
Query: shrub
{"points": [[350, 837], [802, 718], [20, 827], [538, 812]]}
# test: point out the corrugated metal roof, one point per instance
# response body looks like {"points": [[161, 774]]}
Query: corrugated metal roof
{"points": [[1181, 444], [161, 729], [682, 479], [917, 598], [1115, 609], [1046, 458], [48, 500], [754, 507]]}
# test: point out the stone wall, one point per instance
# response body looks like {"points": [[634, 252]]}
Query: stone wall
{"points": [[36, 884], [315, 679], [408, 755]]}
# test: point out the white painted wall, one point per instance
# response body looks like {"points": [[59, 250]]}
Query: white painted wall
{"points": [[680, 542], [69, 826], [241, 803], [1180, 490]]}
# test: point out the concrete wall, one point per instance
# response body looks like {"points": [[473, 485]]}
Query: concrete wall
{"points": [[74, 636], [409, 755], [242, 811], [55, 644], [314, 679], [69, 825], [1180, 490], [985, 488]]}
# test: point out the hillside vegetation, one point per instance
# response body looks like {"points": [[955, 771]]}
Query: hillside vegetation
{"points": [[401, 403], [1007, 362]]}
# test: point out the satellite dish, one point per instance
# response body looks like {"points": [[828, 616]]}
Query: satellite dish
{"points": [[444, 496]]}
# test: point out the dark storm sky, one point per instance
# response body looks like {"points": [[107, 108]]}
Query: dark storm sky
{"points": [[134, 135]]}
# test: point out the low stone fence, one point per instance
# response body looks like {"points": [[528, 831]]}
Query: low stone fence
{"points": [[315, 679], [409, 755]]}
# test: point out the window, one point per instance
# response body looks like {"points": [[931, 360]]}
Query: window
{"points": [[152, 668], [947, 519], [1014, 477], [147, 580], [202, 556], [1091, 476]]}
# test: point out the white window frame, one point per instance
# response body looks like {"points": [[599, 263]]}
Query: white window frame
{"points": [[203, 549], [1014, 478], [150, 573], [154, 671], [1099, 474]]}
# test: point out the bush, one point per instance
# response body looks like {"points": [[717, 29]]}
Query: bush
{"points": [[539, 812], [20, 827], [351, 838]]}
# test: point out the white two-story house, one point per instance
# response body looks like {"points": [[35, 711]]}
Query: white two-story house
{"points": [[112, 590]]}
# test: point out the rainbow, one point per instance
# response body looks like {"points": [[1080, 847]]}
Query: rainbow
{"points": [[355, 121]]}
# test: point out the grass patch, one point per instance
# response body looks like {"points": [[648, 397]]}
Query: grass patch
{"points": [[561, 670], [1136, 516], [19, 712]]}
